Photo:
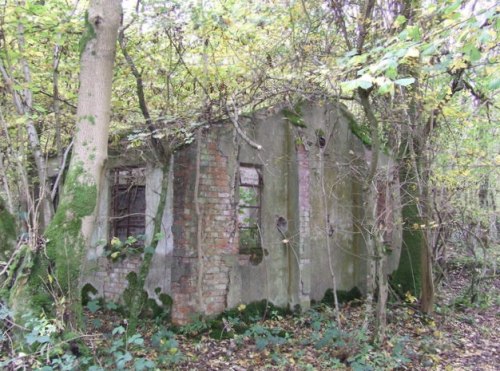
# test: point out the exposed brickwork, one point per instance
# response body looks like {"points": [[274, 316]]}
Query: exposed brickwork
{"points": [[113, 275], [184, 231], [217, 239]]}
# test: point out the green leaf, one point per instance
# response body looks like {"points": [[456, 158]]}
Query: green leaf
{"points": [[358, 59], [400, 20], [159, 236], [115, 242], [391, 72], [93, 306], [387, 87], [136, 339], [414, 33], [430, 49], [131, 240], [349, 85], [363, 84], [143, 364], [474, 54], [261, 343], [122, 360], [118, 330], [34, 338], [111, 306], [494, 84], [452, 7], [484, 37], [405, 82]]}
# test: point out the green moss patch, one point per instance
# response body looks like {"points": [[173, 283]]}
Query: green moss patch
{"points": [[149, 307], [343, 296], [88, 34], [407, 277], [233, 321], [60, 265], [7, 232]]}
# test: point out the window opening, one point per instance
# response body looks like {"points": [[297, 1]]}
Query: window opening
{"points": [[128, 203], [320, 138], [249, 211]]}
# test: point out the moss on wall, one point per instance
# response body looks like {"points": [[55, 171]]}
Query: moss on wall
{"points": [[407, 276], [136, 299], [360, 131], [7, 231], [343, 296]]}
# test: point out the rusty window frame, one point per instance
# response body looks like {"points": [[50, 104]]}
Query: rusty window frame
{"points": [[128, 219], [256, 228]]}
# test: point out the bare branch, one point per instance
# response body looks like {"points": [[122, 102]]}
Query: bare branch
{"points": [[234, 119], [61, 172]]}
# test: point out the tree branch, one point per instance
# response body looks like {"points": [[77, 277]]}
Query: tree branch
{"points": [[241, 133], [363, 25], [61, 172]]}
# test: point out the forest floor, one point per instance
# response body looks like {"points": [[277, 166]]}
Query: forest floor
{"points": [[460, 335]]}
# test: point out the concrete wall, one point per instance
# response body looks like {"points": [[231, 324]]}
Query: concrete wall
{"points": [[315, 188], [109, 277]]}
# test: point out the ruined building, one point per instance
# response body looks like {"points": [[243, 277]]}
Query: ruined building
{"points": [[243, 224]]}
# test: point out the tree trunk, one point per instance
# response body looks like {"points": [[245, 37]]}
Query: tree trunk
{"points": [[69, 234], [427, 259], [23, 102], [373, 233]]}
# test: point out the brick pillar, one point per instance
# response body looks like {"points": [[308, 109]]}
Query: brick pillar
{"points": [[184, 263], [217, 229]]}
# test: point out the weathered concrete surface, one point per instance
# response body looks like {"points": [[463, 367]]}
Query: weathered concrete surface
{"points": [[109, 278]]}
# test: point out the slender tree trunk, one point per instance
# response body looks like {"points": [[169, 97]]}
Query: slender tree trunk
{"points": [[377, 275], [23, 102], [69, 234], [326, 231], [426, 254]]}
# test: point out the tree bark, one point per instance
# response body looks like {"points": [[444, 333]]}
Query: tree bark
{"points": [[69, 234]]}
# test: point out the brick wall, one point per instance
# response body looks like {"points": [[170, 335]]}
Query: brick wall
{"points": [[113, 275], [218, 229]]}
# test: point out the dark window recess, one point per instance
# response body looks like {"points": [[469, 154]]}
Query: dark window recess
{"points": [[128, 203], [249, 211]]}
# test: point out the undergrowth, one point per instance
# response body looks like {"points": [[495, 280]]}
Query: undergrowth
{"points": [[43, 344]]}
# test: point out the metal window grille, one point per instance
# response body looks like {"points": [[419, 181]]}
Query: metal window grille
{"points": [[128, 203], [249, 209]]}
